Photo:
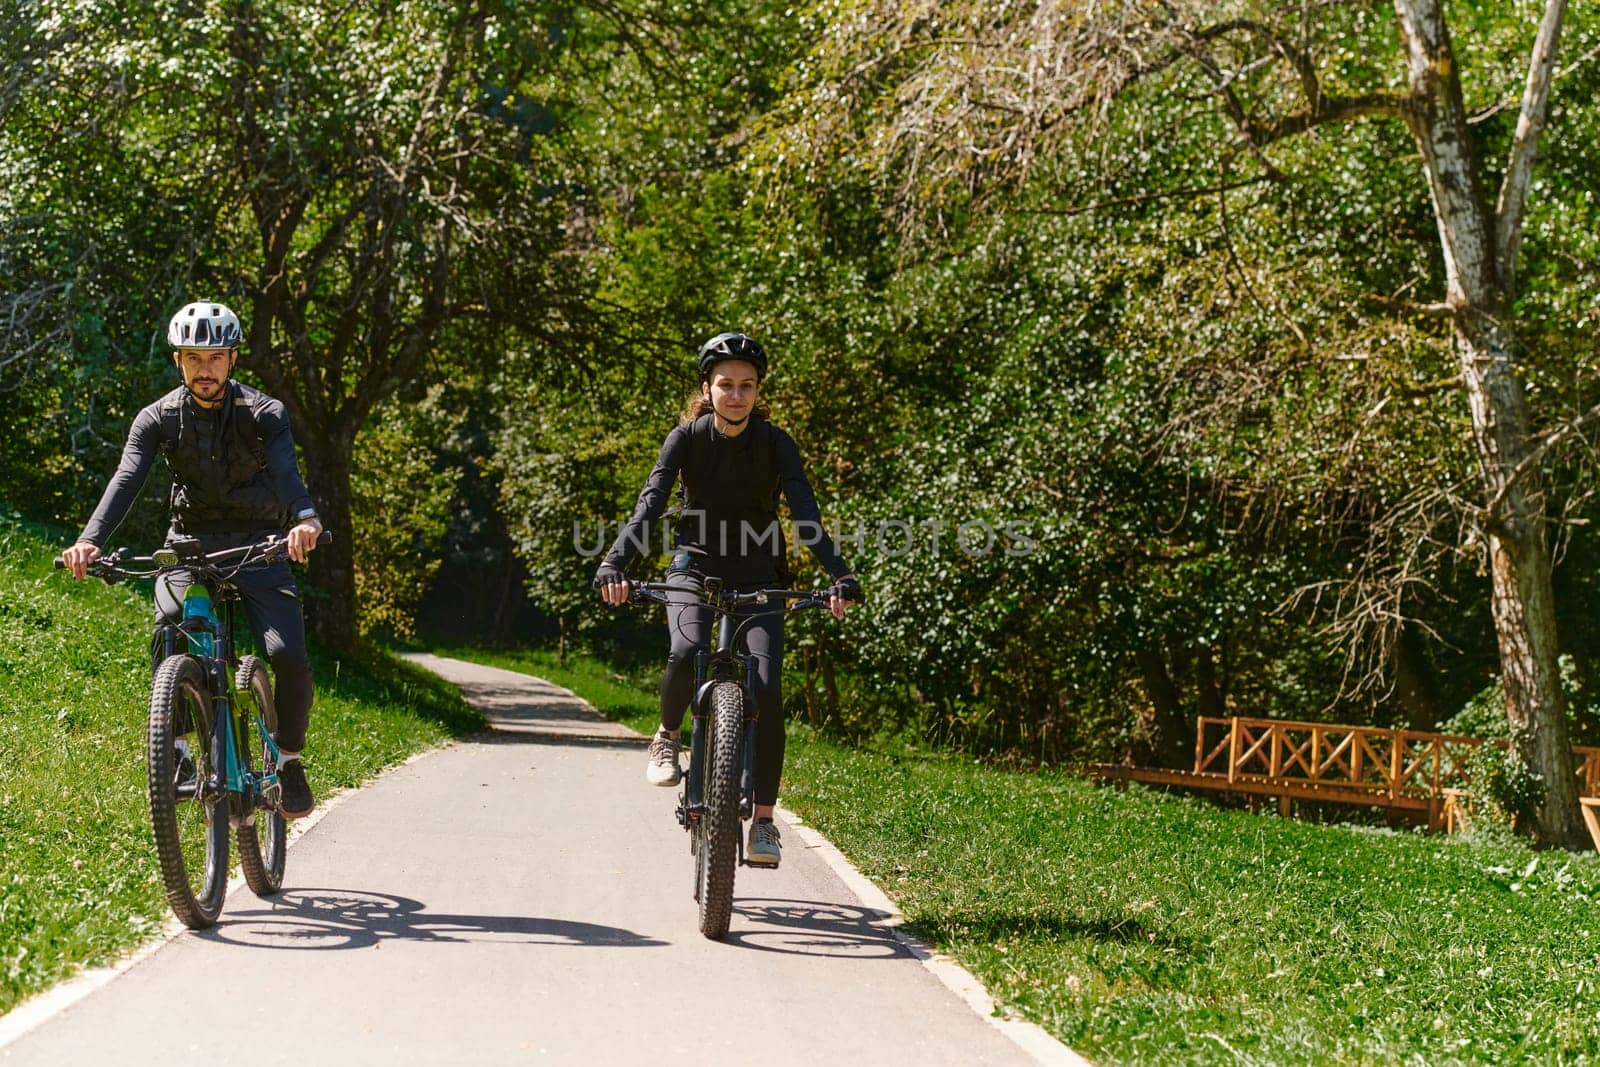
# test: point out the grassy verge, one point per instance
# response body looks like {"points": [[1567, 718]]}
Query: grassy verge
{"points": [[78, 879], [1145, 928]]}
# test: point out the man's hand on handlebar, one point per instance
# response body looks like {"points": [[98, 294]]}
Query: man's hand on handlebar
{"points": [[303, 538], [78, 558]]}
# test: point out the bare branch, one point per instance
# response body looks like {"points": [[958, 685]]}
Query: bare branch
{"points": [[1124, 201], [1560, 435], [1328, 110], [1439, 310], [1513, 200]]}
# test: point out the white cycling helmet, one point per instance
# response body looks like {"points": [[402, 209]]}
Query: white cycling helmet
{"points": [[204, 324]]}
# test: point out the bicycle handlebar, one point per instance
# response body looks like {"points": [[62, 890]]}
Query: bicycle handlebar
{"points": [[117, 564], [725, 601]]}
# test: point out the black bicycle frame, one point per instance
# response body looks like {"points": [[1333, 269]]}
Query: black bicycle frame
{"points": [[710, 669]]}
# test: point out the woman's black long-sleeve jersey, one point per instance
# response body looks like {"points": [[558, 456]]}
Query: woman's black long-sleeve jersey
{"points": [[729, 488]]}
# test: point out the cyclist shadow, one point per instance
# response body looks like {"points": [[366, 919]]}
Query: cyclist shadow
{"points": [[814, 928], [321, 919]]}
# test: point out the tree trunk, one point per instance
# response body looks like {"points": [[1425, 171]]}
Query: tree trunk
{"points": [[1173, 741], [1523, 596], [830, 686], [498, 626], [1479, 267], [561, 655], [332, 604]]}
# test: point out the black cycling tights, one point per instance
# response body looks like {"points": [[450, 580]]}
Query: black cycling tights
{"points": [[690, 628]]}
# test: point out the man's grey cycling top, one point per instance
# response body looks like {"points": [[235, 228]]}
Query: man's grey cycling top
{"points": [[234, 469]]}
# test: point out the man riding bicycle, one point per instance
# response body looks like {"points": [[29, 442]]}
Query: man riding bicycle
{"points": [[235, 479]]}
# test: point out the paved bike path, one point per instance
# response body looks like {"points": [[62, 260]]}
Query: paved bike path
{"points": [[523, 897]]}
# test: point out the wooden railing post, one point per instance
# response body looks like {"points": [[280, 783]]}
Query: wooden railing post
{"points": [[1233, 749], [1199, 743], [1396, 763]]}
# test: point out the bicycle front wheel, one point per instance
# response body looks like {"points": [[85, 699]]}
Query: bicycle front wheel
{"points": [[190, 822], [719, 845], [261, 839]]}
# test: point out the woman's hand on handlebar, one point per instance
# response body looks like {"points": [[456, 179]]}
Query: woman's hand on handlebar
{"points": [[79, 558], [614, 588], [846, 591], [303, 538]]}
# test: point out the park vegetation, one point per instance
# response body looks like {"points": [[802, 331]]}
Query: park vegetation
{"points": [[1264, 333]]}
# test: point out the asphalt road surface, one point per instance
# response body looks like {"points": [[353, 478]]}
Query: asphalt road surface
{"points": [[523, 897]]}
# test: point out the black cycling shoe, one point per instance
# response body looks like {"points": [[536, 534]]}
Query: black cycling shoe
{"points": [[295, 800]]}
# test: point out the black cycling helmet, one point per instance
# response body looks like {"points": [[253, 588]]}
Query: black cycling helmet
{"points": [[732, 346]]}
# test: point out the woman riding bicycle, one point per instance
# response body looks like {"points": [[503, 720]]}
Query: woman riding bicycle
{"points": [[733, 464]]}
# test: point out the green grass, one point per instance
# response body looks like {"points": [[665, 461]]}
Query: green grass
{"points": [[1151, 929], [78, 882]]}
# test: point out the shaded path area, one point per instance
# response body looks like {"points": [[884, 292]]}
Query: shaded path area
{"points": [[523, 896]]}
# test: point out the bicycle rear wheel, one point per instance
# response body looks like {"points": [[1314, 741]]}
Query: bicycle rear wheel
{"points": [[190, 824], [261, 839], [718, 857]]}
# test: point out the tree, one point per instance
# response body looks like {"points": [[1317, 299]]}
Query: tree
{"points": [[361, 183], [955, 103], [565, 479], [381, 210], [402, 504]]}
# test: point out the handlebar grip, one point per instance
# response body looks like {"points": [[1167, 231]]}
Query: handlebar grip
{"points": [[60, 563], [325, 537]]}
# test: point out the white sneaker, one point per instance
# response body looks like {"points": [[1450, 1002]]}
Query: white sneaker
{"points": [[663, 766], [762, 849]]}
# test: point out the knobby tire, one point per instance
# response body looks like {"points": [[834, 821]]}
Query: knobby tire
{"points": [[262, 840], [180, 706], [719, 848]]}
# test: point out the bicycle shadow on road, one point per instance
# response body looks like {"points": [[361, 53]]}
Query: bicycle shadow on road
{"points": [[322, 919], [814, 928]]}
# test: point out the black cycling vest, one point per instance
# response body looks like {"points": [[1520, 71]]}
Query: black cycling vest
{"points": [[730, 480], [220, 480]]}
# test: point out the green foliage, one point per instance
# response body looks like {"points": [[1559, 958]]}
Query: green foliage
{"points": [[565, 478], [999, 284], [401, 508]]}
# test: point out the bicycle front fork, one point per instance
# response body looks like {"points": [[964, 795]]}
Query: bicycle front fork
{"points": [[694, 785]]}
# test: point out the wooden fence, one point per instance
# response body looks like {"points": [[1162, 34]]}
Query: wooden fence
{"points": [[1411, 772]]}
